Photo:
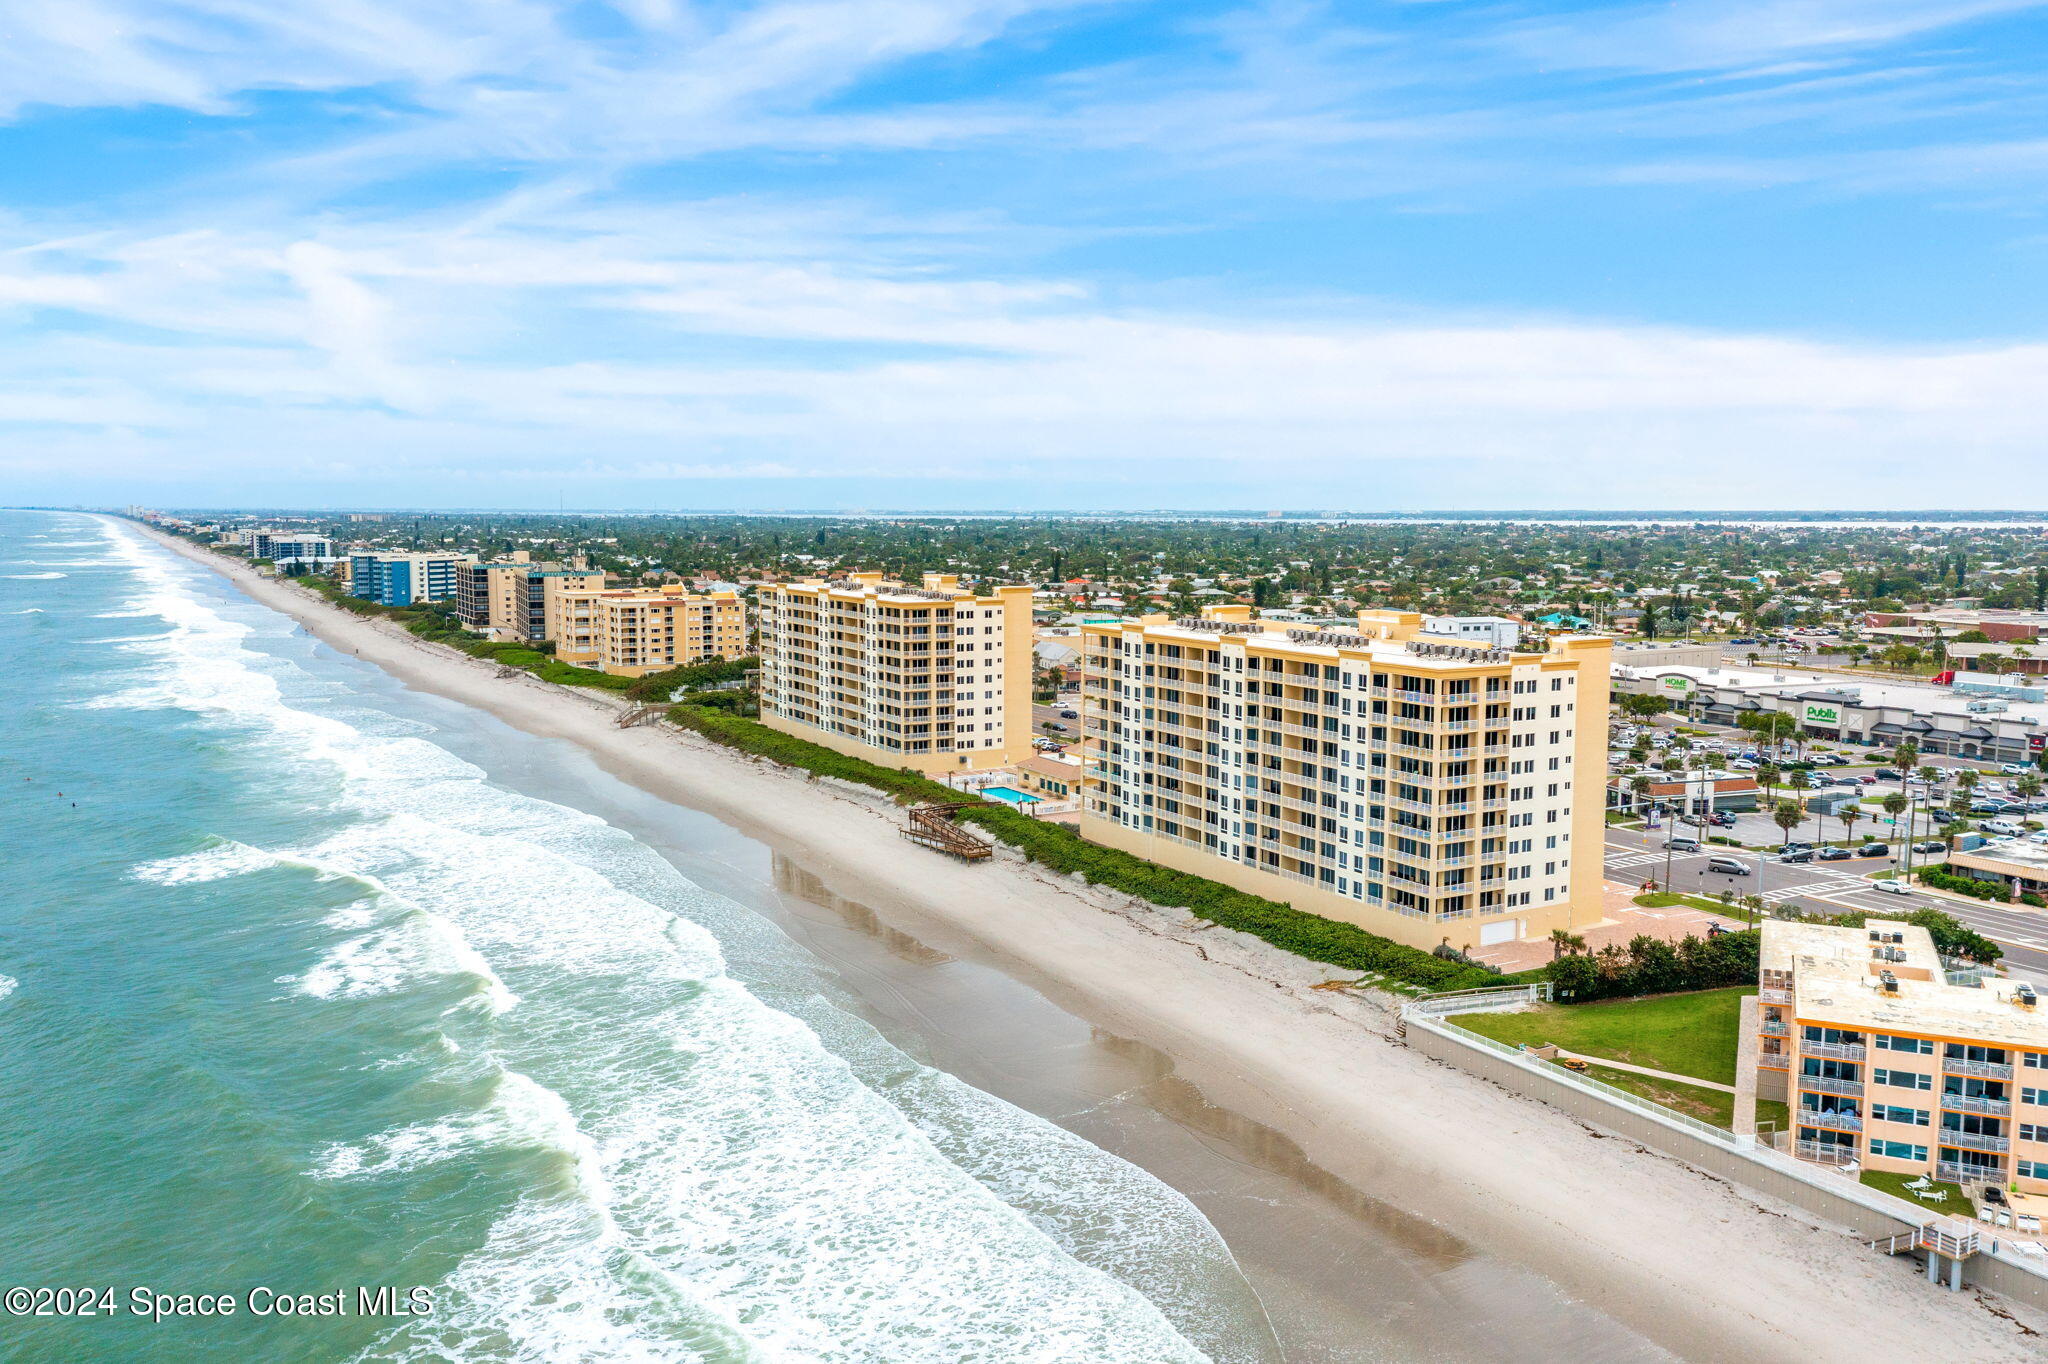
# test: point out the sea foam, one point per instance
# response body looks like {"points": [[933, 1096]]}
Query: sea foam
{"points": [[731, 1188]]}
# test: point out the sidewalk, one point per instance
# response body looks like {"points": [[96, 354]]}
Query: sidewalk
{"points": [[1623, 920]]}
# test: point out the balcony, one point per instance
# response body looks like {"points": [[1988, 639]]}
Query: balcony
{"points": [[1830, 1122], [1840, 1051], [1974, 1141], [1977, 1103], [1827, 1154], [1969, 1174], [1829, 1084], [1983, 1070], [1772, 994], [1775, 1027]]}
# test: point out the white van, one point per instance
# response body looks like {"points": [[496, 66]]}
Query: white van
{"points": [[1682, 843]]}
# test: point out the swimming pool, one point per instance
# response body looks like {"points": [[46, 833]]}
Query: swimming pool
{"points": [[1008, 795]]}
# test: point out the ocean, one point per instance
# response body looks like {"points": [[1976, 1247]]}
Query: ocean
{"points": [[294, 1000]]}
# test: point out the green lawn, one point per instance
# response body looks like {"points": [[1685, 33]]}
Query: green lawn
{"points": [[1664, 899], [1687, 1034], [1695, 1101], [1895, 1185]]}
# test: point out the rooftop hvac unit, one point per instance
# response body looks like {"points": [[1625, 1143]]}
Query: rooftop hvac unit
{"points": [[2024, 996], [1876, 936], [1890, 982]]}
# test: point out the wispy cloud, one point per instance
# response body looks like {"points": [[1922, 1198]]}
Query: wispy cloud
{"points": [[656, 243]]}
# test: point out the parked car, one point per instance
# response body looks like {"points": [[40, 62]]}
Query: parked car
{"points": [[2015, 769], [1742, 765], [1930, 845], [1868, 779], [1943, 816], [1728, 866], [1831, 855], [2005, 827], [1721, 819], [1888, 774], [1070, 715]]}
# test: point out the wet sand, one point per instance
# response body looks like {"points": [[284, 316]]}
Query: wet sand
{"points": [[1704, 1269]]}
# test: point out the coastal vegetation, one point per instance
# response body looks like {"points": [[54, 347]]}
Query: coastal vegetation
{"points": [[1060, 849]]}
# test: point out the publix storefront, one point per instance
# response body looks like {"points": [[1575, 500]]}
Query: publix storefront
{"points": [[1883, 716]]}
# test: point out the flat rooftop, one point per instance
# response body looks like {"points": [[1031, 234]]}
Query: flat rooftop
{"points": [[2015, 852], [1836, 980], [1332, 643], [1927, 700]]}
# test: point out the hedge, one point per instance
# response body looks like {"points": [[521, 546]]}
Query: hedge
{"points": [[1060, 849], [1941, 878]]}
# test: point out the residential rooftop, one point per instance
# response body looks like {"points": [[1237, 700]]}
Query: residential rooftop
{"points": [[1838, 980]]}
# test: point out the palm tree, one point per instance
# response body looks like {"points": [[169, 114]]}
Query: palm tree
{"points": [[1787, 815], [1849, 816], [1563, 941]]}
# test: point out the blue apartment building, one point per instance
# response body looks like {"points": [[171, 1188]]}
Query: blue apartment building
{"points": [[404, 579]]}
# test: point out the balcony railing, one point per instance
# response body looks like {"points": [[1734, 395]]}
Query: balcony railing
{"points": [[1956, 1173], [1826, 1154], [1974, 1141], [1772, 994], [1829, 1084], [1840, 1051], [1977, 1103], [1983, 1070], [1775, 1027], [1832, 1122]]}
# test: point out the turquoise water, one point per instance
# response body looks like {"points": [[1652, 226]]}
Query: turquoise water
{"points": [[293, 998], [1004, 793]]}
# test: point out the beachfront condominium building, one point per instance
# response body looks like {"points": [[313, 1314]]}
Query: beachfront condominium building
{"points": [[277, 545], [397, 578], [508, 599], [936, 677], [1889, 1066], [634, 631], [1423, 788]]}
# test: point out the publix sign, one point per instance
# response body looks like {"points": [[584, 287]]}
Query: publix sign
{"points": [[1819, 714]]}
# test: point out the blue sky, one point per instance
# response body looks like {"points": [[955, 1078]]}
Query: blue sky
{"points": [[1001, 253]]}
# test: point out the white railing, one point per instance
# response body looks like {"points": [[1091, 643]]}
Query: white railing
{"points": [[1983, 1070]]}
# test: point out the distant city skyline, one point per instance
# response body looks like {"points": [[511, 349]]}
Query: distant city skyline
{"points": [[1026, 254]]}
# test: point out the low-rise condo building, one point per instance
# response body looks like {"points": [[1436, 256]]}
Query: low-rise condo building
{"points": [[1406, 782], [935, 678], [632, 632], [508, 599], [397, 578], [1889, 1066]]}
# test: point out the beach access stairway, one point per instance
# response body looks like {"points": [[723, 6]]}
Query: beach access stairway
{"points": [[638, 715], [932, 826]]}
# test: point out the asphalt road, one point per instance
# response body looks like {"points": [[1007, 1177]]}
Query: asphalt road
{"points": [[1826, 888], [1041, 716]]}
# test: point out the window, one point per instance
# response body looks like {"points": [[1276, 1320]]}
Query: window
{"points": [[2033, 1131], [1903, 1079], [1912, 1117], [2037, 1060], [2031, 1169], [2034, 1096], [1898, 1150], [1920, 1045]]}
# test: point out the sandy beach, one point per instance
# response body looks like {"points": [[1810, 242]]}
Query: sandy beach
{"points": [[1705, 1269]]}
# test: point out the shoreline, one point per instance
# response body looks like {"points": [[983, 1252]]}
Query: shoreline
{"points": [[1704, 1269]]}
